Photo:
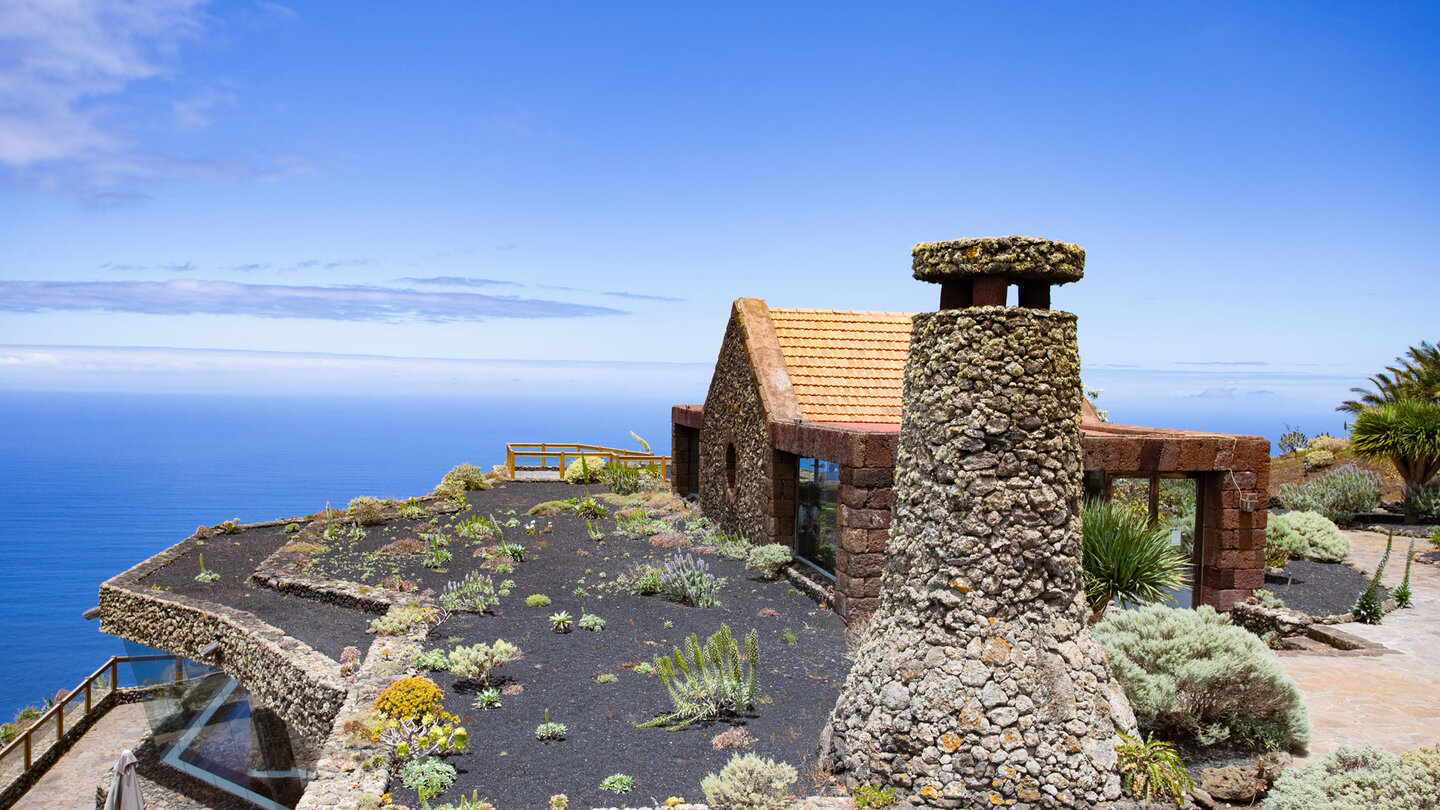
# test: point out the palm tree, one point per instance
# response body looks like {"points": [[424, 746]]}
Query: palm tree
{"points": [[1127, 559], [1416, 375], [1407, 433]]}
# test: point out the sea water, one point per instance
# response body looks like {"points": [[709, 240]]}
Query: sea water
{"points": [[91, 484]]}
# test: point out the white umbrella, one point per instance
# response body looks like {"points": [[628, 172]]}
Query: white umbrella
{"points": [[125, 787]]}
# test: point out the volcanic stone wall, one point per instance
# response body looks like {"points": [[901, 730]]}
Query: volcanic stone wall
{"points": [[978, 684]]}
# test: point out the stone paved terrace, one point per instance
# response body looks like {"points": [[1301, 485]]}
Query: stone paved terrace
{"points": [[71, 782], [1392, 700]]}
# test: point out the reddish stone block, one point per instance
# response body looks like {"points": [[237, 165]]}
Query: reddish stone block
{"points": [[872, 477], [853, 496], [854, 450], [857, 540], [1169, 457], [847, 475], [867, 587], [880, 450], [1250, 579], [877, 540], [865, 565], [880, 498]]}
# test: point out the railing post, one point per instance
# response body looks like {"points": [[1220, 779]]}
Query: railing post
{"points": [[510, 460], [114, 673], [59, 720], [88, 702], [27, 748]]}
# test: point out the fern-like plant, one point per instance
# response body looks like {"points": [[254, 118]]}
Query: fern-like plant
{"points": [[710, 680], [1368, 608], [1152, 769]]}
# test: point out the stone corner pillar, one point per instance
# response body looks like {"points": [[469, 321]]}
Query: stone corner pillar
{"points": [[978, 684]]}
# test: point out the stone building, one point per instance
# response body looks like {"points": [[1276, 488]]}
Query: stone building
{"points": [[796, 444]]}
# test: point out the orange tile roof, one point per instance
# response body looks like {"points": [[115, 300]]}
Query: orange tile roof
{"points": [[845, 366]]}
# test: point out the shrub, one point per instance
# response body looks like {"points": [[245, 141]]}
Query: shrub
{"points": [[399, 622], [748, 782], [688, 578], [618, 783], [1151, 769], [477, 527], [1192, 672], [434, 660], [550, 730], [1367, 777], [366, 511], [1368, 608], [873, 796], [409, 698], [639, 523], [437, 549], [1282, 542], [428, 777], [405, 545], [642, 580], [1329, 444], [735, 546], [474, 594], [769, 559], [1318, 459], [476, 662], [1404, 595], [462, 478], [591, 622], [708, 681], [733, 737], [1337, 494], [1125, 559], [621, 479], [1292, 440], [537, 600], [1424, 500], [1322, 539], [584, 470]]}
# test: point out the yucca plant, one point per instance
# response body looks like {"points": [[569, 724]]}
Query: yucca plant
{"points": [[1127, 559], [1152, 769], [710, 680], [1407, 433]]}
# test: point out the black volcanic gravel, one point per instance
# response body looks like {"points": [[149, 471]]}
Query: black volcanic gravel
{"points": [[1319, 589]]}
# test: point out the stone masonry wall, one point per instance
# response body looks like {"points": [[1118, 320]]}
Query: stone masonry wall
{"points": [[735, 415], [978, 684], [279, 671]]}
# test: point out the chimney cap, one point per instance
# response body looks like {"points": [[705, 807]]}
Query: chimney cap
{"points": [[1020, 258]]}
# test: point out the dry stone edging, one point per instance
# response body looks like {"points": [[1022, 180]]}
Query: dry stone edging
{"points": [[282, 672]]}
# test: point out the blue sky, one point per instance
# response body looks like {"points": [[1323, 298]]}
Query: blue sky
{"points": [[205, 196]]}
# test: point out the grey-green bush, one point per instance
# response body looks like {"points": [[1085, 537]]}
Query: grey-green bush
{"points": [[1368, 777], [1278, 534], [768, 559], [584, 470], [1192, 672], [1323, 540], [1337, 494], [748, 782]]}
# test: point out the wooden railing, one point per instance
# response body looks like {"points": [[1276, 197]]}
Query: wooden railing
{"points": [[56, 714], [566, 453]]}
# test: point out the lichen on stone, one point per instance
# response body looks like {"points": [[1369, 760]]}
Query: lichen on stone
{"points": [[1019, 257]]}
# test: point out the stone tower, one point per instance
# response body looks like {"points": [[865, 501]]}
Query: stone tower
{"points": [[978, 684]]}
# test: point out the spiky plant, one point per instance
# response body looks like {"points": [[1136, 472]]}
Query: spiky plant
{"points": [[1404, 597], [710, 680], [1125, 558], [1416, 375], [1152, 769], [1407, 433], [1368, 608]]}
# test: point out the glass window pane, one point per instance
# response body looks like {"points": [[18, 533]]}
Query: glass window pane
{"points": [[817, 504]]}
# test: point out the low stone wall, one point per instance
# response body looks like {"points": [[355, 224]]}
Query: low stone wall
{"points": [[281, 672]]}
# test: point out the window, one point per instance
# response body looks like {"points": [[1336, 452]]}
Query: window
{"points": [[817, 502], [1171, 501], [730, 463]]}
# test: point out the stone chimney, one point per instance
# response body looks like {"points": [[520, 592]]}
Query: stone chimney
{"points": [[978, 684]]}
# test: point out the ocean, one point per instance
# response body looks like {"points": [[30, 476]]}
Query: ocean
{"points": [[91, 484]]}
